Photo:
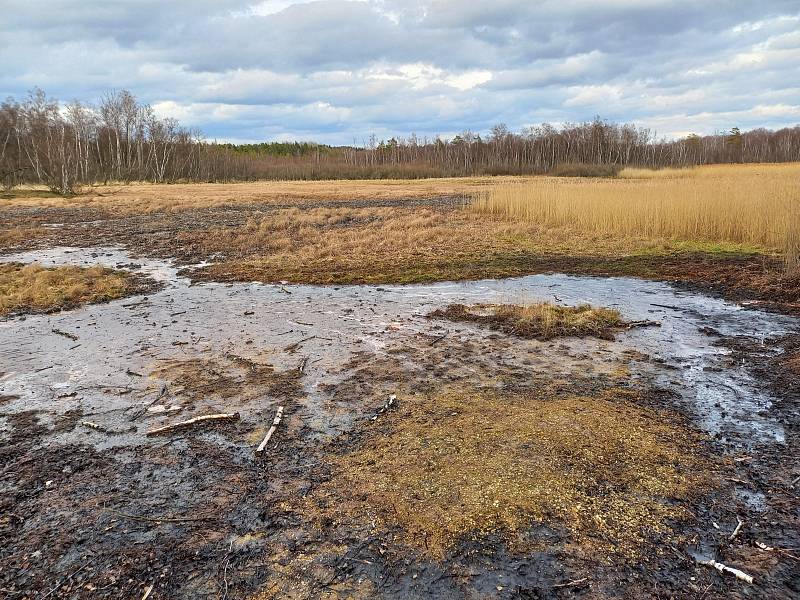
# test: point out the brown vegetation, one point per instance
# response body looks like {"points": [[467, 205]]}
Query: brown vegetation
{"points": [[543, 320], [463, 464], [33, 288], [753, 205]]}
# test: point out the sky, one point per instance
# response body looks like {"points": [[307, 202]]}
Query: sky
{"points": [[337, 71]]}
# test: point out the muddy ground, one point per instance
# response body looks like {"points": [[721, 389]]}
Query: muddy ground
{"points": [[92, 507]]}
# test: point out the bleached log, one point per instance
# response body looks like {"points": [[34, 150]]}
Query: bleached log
{"points": [[194, 421], [275, 422], [726, 569]]}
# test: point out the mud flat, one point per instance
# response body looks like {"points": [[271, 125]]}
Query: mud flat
{"points": [[700, 411]]}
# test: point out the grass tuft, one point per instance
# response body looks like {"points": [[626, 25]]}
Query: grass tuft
{"points": [[34, 288], [542, 321]]}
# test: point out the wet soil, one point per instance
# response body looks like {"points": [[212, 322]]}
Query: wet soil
{"points": [[108, 512]]}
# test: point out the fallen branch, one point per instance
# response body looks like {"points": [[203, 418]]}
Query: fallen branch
{"points": [[391, 403], [66, 334], [296, 345], [440, 338], [726, 569], [738, 528], [275, 422], [644, 323], [570, 583], [194, 421], [765, 548]]}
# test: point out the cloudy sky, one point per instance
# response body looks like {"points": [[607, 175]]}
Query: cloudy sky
{"points": [[336, 71]]}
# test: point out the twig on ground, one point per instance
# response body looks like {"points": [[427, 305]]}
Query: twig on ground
{"points": [[572, 583], [738, 528], [726, 569], [275, 422], [390, 403], [194, 421], [440, 338], [66, 334], [765, 548], [296, 345], [644, 323]]}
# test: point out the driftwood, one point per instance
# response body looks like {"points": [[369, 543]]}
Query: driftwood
{"points": [[194, 421], [726, 569], [275, 422]]}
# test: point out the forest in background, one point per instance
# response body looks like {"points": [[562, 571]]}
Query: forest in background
{"points": [[66, 146]]}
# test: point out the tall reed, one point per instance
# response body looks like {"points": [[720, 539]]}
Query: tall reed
{"points": [[754, 205]]}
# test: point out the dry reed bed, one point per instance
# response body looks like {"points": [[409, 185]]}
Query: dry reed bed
{"points": [[754, 205]]}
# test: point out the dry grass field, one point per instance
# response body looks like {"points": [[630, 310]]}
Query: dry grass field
{"points": [[732, 228]]}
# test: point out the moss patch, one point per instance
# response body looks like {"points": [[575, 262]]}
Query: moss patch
{"points": [[470, 463]]}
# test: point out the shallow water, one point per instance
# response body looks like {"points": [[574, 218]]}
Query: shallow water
{"points": [[105, 371]]}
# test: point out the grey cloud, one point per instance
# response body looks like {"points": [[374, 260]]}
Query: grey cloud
{"points": [[338, 69]]}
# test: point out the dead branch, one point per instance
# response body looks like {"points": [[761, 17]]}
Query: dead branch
{"points": [[570, 583], [275, 422], [391, 403], [644, 323], [194, 421], [765, 548], [726, 569], [738, 528], [296, 345], [66, 334]]}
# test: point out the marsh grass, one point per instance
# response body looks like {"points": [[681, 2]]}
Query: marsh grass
{"points": [[755, 205], [34, 288], [464, 464], [543, 320]]}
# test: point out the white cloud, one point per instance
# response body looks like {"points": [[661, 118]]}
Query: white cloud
{"points": [[335, 70]]}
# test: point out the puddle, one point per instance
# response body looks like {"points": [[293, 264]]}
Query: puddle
{"points": [[105, 371]]}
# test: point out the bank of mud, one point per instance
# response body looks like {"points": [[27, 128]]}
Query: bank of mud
{"points": [[103, 510]]}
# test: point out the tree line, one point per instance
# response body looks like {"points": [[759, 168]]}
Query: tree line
{"points": [[121, 139]]}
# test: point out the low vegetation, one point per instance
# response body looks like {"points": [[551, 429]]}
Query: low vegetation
{"points": [[34, 288], [543, 320], [466, 464], [585, 170], [755, 205]]}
